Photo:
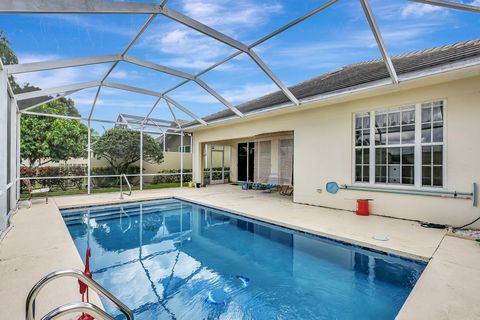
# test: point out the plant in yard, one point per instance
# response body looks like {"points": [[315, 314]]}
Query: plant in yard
{"points": [[101, 179], [173, 175], [8, 56], [121, 148], [46, 139]]}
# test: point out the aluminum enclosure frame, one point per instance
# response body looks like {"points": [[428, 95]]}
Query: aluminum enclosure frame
{"points": [[175, 127], [109, 7]]}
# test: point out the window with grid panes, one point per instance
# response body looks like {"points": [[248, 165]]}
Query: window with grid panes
{"points": [[362, 147], [432, 144], [406, 149]]}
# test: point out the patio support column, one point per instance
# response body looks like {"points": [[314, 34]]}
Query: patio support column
{"points": [[181, 160], [192, 166], [89, 160], [18, 158], [141, 158], [164, 141]]}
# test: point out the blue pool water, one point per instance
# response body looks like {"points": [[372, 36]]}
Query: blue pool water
{"points": [[171, 259]]}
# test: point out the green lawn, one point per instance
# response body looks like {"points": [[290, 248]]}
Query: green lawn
{"points": [[103, 190]]}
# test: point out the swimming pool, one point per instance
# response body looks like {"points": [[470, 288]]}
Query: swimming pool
{"points": [[171, 259]]}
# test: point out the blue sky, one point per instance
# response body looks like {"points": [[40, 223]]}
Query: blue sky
{"points": [[334, 37]]}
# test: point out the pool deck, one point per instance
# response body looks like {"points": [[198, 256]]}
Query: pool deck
{"points": [[38, 243]]}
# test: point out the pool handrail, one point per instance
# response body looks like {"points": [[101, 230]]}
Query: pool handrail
{"points": [[76, 307], [32, 295], [124, 176]]}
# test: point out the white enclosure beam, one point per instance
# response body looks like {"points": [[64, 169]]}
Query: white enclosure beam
{"points": [[158, 67], [132, 89], [151, 109], [58, 64], [181, 74], [176, 86], [200, 27], [293, 23], [138, 119], [451, 5], [272, 76], [173, 114], [155, 123], [181, 159], [49, 100], [94, 102], [155, 94], [89, 155], [185, 110], [122, 55], [141, 158], [77, 6], [58, 116], [75, 62], [227, 104], [56, 90], [138, 34], [379, 39], [258, 42]]}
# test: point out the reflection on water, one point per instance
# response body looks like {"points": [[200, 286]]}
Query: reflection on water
{"points": [[170, 259]]}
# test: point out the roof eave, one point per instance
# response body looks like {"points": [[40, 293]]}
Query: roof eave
{"points": [[334, 97]]}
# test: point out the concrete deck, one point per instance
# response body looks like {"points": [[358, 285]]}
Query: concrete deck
{"points": [[39, 243]]}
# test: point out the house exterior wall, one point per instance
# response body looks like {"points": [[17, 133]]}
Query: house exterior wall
{"points": [[323, 149]]}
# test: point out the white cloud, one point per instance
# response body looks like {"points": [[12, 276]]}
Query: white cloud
{"points": [[231, 15], [33, 57], [95, 25], [124, 75], [60, 77], [186, 48], [238, 94], [248, 92], [419, 10]]}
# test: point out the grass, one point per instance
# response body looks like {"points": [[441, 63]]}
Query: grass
{"points": [[71, 192]]}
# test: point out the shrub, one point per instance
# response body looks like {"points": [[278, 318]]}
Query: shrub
{"points": [[54, 171], [217, 174], [109, 182], [27, 171], [172, 178]]}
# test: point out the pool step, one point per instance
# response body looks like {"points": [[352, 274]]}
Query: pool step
{"points": [[77, 216]]}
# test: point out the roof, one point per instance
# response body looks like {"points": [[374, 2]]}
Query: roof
{"points": [[358, 74]]}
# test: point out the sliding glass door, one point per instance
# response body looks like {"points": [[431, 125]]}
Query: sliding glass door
{"points": [[246, 160]]}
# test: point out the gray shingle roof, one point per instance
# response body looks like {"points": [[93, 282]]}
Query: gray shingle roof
{"points": [[358, 74]]}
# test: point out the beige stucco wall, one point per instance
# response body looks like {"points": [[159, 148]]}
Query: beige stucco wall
{"points": [[215, 159], [171, 161], [323, 149]]}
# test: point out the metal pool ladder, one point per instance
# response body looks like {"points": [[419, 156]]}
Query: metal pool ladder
{"points": [[74, 307], [124, 176]]}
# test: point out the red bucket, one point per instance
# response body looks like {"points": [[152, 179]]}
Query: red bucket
{"points": [[362, 207]]}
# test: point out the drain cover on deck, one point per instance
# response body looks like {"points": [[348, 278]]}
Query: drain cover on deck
{"points": [[380, 237]]}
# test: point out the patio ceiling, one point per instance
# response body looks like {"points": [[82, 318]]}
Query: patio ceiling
{"points": [[163, 9]]}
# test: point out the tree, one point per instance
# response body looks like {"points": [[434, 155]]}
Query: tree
{"points": [[8, 56], [47, 139], [121, 148], [6, 53], [44, 138]]}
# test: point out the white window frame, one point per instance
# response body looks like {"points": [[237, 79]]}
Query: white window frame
{"points": [[417, 147]]}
